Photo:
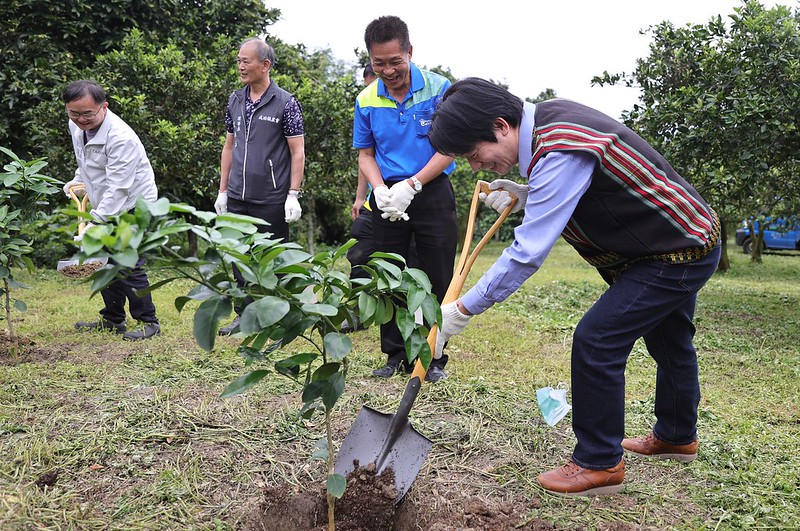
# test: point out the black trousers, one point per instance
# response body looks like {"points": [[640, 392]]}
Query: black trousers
{"points": [[358, 254], [432, 225], [115, 295], [275, 215]]}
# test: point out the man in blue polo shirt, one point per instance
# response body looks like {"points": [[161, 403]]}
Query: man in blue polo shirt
{"points": [[412, 195]]}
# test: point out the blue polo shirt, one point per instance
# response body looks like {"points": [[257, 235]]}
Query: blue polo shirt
{"points": [[399, 130]]}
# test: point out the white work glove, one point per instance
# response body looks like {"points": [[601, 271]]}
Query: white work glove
{"points": [[383, 196], [292, 206], [79, 237], [500, 199], [70, 184], [221, 204], [383, 199], [453, 322], [401, 195]]}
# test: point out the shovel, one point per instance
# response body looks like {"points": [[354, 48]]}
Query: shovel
{"points": [[71, 268], [390, 441]]}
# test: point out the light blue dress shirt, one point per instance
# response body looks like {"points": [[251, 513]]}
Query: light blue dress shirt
{"points": [[555, 186]]}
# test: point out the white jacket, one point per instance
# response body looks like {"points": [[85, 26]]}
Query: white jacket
{"points": [[114, 167]]}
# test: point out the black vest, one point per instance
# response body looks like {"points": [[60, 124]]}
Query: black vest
{"points": [[261, 167]]}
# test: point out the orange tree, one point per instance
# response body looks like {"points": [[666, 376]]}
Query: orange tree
{"points": [[722, 102], [298, 299]]}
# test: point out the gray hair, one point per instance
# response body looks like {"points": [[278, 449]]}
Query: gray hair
{"points": [[265, 51]]}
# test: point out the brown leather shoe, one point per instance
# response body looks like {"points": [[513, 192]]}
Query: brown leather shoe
{"points": [[575, 480], [652, 446]]}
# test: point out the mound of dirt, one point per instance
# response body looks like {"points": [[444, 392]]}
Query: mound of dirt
{"points": [[368, 504]]}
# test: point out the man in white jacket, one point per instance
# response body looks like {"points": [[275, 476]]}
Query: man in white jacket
{"points": [[114, 168]]}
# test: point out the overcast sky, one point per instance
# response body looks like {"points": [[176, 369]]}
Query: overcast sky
{"points": [[558, 45]]}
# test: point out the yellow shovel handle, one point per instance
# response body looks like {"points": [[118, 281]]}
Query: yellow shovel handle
{"points": [[465, 262], [80, 203]]}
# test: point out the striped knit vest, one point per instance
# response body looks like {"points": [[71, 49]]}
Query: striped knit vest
{"points": [[637, 207]]}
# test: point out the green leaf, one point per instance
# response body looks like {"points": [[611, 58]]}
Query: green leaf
{"points": [[127, 258], [313, 391], [320, 450], [388, 267], [420, 278], [206, 320], [337, 346], [289, 258], [333, 390], [243, 227], [262, 313], [416, 296], [431, 311], [103, 277], [180, 302], [405, 322], [20, 305], [291, 365], [384, 310], [160, 207], [417, 346], [367, 305], [320, 309], [335, 485], [243, 383], [324, 372]]}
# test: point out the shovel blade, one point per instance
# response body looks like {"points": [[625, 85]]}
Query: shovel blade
{"points": [[373, 439], [63, 264]]}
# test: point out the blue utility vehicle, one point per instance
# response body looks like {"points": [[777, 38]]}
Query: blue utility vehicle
{"points": [[778, 234]]}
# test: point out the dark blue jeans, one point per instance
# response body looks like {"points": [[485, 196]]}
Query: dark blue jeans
{"points": [[125, 288], [653, 300]]}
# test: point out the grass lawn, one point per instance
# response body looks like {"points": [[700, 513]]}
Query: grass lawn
{"points": [[98, 434]]}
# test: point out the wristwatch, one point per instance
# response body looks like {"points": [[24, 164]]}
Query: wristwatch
{"points": [[417, 184]]}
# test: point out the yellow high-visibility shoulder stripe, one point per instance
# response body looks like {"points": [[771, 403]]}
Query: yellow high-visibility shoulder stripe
{"points": [[368, 97]]}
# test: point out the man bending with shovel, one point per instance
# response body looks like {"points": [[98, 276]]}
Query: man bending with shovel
{"points": [[649, 233], [115, 170]]}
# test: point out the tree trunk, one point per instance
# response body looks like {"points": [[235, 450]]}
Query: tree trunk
{"points": [[310, 231], [7, 305], [192, 242], [724, 259], [758, 243]]}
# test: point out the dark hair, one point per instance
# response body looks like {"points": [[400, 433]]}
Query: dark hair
{"points": [[369, 71], [467, 115], [78, 89], [386, 29]]}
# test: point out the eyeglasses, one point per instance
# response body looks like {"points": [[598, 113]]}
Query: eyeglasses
{"points": [[87, 115]]}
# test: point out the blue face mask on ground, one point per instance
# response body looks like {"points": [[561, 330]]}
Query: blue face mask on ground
{"points": [[553, 404]]}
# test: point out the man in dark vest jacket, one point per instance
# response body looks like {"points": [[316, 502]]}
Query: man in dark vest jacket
{"points": [[263, 158], [649, 233]]}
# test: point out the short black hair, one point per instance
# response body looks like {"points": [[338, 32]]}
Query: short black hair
{"points": [[386, 29], [467, 115], [83, 87], [368, 71]]}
